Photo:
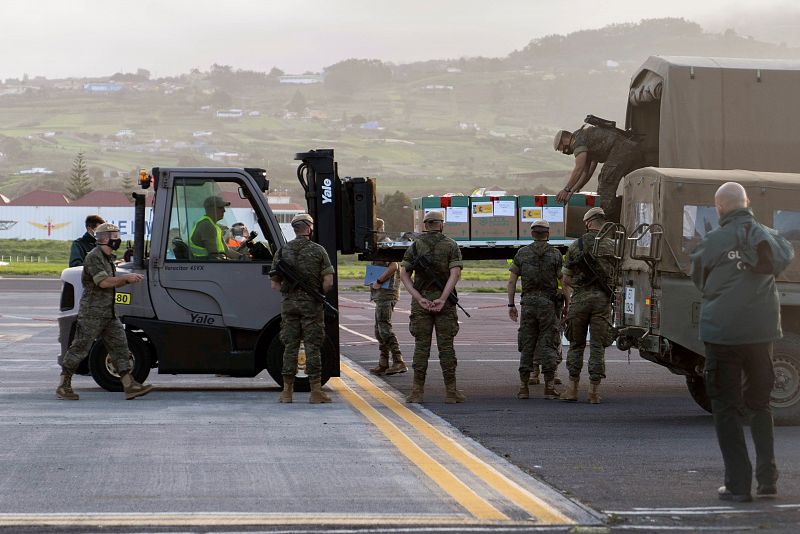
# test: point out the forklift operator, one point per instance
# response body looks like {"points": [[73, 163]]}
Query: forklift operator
{"points": [[206, 240]]}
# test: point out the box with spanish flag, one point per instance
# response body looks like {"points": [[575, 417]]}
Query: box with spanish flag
{"points": [[579, 204], [534, 207], [456, 214], [493, 218]]}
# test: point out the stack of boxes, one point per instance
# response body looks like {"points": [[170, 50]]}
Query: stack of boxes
{"points": [[505, 217]]}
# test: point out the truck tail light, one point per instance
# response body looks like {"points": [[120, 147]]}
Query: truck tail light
{"points": [[655, 313]]}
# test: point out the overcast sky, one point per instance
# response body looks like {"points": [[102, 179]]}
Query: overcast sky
{"points": [[59, 38]]}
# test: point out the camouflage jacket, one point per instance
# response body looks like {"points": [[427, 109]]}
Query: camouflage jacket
{"points": [[598, 142], [539, 264], [309, 260], [580, 278], [390, 293], [443, 254], [96, 300]]}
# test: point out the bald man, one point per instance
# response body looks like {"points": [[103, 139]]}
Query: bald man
{"points": [[734, 268]]}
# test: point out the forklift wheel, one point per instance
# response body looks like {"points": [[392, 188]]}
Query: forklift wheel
{"points": [[103, 370]]}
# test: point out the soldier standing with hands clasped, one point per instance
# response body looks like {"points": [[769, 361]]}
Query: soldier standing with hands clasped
{"points": [[430, 307], [586, 283], [96, 318], [302, 315], [539, 265]]}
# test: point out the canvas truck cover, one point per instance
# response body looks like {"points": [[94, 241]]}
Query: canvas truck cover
{"points": [[682, 201], [717, 113]]}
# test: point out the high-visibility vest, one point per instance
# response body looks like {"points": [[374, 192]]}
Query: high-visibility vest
{"points": [[201, 252]]}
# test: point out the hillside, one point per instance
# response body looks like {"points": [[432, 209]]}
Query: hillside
{"points": [[439, 125]]}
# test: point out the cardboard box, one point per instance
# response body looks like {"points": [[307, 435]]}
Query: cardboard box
{"points": [[493, 218], [533, 207], [455, 210], [578, 205]]}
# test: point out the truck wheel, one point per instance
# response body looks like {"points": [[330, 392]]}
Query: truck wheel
{"points": [[103, 370], [786, 392], [697, 389]]}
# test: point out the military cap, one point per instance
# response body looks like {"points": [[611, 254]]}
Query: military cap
{"points": [[594, 213], [560, 135], [302, 217], [380, 224], [106, 227], [215, 201], [540, 225], [433, 216]]}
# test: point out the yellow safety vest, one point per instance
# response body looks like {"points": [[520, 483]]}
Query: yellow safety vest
{"points": [[201, 252]]}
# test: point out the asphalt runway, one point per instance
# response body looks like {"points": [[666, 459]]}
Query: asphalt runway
{"points": [[644, 460]]}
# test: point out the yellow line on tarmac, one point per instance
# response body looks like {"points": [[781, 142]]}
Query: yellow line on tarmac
{"points": [[463, 494], [533, 505]]}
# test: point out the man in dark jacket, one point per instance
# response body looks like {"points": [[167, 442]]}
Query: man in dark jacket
{"points": [[84, 244], [735, 267]]}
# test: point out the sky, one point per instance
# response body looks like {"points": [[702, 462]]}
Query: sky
{"points": [[59, 38]]}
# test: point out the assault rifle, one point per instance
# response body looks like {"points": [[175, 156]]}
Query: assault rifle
{"points": [[285, 270], [424, 263], [589, 264]]}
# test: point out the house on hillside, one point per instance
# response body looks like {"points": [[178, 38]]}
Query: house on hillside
{"points": [[102, 87], [300, 79], [36, 170], [230, 114]]}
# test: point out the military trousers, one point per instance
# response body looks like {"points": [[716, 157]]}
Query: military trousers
{"points": [[91, 327], [538, 326], [302, 320], [421, 325], [625, 157], [734, 400], [589, 309], [387, 340]]}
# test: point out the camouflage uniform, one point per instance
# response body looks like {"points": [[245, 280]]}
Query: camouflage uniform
{"points": [[444, 254], [619, 156], [96, 317], [539, 265], [302, 316], [385, 300], [589, 308]]}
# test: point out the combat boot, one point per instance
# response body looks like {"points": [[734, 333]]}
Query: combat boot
{"points": [[418, 389], [594, 397], [535, 381], [550, 392], [133, 388], [398, 365], [288, 389], [524, 392], [571, 394], [64, 390], [452, 394], [383, 365], [317, 395]]}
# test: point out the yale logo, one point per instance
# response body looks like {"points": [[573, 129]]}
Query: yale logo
{"points": [[200, 318], [327, 191]]}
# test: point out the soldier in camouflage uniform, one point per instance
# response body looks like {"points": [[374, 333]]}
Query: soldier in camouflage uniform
{"points": [[539, 265], [385, 300], [429, 307], [97, 318], [589, 307], [303, 316], [592, 145]]}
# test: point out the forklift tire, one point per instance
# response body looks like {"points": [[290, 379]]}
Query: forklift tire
{"points": [[786, 391], [103, 370], [697, 389]]}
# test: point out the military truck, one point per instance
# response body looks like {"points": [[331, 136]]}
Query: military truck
{"points": [[667, 212]]}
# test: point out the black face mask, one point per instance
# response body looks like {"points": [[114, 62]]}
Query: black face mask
{"points": [[114, 243]]}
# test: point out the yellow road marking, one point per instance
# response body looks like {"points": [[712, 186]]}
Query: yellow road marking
{"points": [[529, 502], [463, 494]]}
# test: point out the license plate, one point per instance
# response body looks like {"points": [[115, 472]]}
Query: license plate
{"points": [[123, 298], [630, 300]]}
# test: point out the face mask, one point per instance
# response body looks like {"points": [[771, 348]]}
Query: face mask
{"points": [[114, 243], [240, 238]]}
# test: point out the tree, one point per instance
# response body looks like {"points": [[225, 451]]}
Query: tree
{"points": [[351, 75], [275, 72], [298, 103], [128, 182], [79, 182], [396, 211]]}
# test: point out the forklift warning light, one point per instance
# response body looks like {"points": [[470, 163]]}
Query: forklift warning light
{"points": [[144, 179]]}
